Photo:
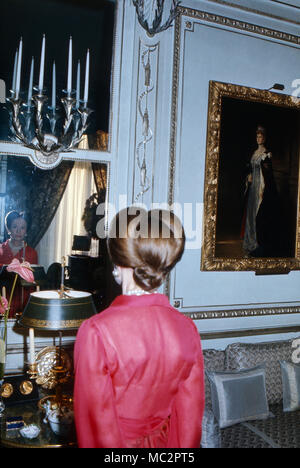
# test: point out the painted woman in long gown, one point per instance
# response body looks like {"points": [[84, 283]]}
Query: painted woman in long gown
{"points": [[261, 198], [138, 364]]}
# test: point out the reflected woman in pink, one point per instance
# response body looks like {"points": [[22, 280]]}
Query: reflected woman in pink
{"points": [[16, 248]]}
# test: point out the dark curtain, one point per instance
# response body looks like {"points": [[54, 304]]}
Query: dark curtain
{"points": [[100, 176], [43, 199], [90, 218], [110, 288]]}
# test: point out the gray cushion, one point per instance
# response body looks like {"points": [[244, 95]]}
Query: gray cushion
{"points": [[245, 355], [211, 433], [239, 395], [214, 360], [290, 385]]}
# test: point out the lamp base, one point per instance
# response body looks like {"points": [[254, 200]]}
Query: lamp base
{"points": [[48, 360], [32, 372]]}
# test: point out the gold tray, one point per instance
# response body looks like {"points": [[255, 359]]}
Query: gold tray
{"points": [[67, 400]]}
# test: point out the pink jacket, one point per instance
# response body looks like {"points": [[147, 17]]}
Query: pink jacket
{"points": [[138, 377]]}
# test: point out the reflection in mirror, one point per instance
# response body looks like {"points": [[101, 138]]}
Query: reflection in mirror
{"points": [[91, 25], [58, 220]]}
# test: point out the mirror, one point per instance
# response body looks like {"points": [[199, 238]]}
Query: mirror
{"points": [[59, 207], [91, 25], [56, 200], [251, 204]]}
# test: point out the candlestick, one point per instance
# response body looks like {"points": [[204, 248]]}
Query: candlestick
{"points": [[24, 251], [54, 87], [86, 83], [13, 86], [30, 83], [69, 85], [78, 85], [31, 346], [18, 76], [62, 283], [42, 66]]}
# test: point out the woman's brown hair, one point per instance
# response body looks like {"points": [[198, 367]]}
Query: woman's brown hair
{"points": [[11, 217], [149, 242]]}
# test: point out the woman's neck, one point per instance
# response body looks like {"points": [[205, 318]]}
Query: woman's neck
{"points": [[261, 147], [15, 243], [128, 283]]}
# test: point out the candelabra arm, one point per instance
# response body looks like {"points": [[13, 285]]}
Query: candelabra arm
{"points": [[52, 117], [68, 105], [39, 100], [16, 104], [80, 126], [27, 122]]}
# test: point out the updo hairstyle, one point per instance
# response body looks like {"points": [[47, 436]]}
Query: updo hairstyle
{"points": [[11, 216], [149, 242], [261, 130]]}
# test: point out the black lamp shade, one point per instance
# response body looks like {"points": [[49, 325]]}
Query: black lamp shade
{"points": [[45, 310], [82, 243]]}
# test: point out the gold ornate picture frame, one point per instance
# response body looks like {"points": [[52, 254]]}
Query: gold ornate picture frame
{"points": [[234, 115]]}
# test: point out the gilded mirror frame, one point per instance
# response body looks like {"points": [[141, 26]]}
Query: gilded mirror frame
{"points": [[210, 260]]}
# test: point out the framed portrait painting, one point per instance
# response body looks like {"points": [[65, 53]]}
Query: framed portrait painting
{"points": [[251, 190]]}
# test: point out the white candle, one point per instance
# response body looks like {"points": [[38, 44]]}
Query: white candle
{"points": [[86, 83], [78, 85], [54, 87], [69, 84], [13, 86], [31, 346], [30, 83], [42, 66], [24, 251], [18, 77]]}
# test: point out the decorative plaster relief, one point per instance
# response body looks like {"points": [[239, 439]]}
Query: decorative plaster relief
{"points": [[145, 120]]}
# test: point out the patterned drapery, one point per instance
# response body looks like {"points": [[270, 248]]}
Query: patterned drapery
{"points": [[100, 176], [37, 192], [44, 196]]}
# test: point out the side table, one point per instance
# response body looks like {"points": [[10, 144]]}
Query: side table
{"points": [[31, 415]]}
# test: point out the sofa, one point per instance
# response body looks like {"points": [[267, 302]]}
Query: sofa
{"points": [[263, 376]]}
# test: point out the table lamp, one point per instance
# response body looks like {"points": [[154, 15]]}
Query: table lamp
{"points": [[48, 310], [55, 311]]}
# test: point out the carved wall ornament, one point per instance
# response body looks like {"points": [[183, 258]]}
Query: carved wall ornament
{"points": [[150, 14], [146, 131]]}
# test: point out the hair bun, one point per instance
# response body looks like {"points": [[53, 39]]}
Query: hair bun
{"points": [[148, 278], [149, 242]]}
